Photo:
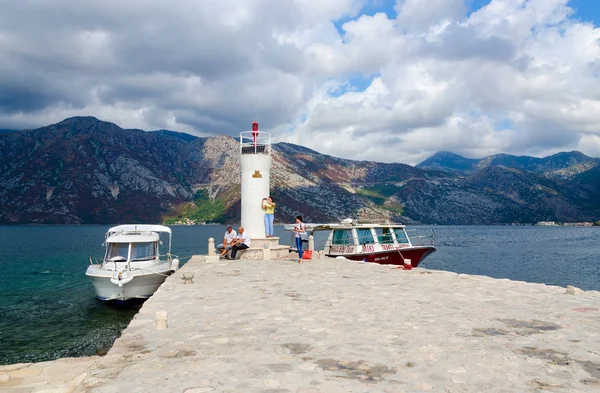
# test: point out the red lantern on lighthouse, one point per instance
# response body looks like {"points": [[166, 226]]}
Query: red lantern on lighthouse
{"points": [[255, 131]]}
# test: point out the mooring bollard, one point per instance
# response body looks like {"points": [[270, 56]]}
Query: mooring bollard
{"points": [[571, 290], [311, 242], [211, 247], [266, 252], [161, 320], [188, 277]]}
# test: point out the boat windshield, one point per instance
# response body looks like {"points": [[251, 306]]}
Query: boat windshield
{"points": [[143, 251], [342, 237], [384, 235], [365, 236], [401, 236], [117, 250]]}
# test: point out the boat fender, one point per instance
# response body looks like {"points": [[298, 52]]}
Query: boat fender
{"points": [[174, 265]]}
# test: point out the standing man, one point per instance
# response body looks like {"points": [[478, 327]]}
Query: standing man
{"points": [[241, 243], [228, 241]]}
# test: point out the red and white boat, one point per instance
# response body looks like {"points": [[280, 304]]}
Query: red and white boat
{"points": [[387, 244]]}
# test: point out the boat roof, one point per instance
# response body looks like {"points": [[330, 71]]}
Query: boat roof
{"points": [[139, 228], [343, 225], [133, 237]]}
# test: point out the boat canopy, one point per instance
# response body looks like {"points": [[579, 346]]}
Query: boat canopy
{"points": [[133, 237], [124, 232], [344, 225], [138, 228]]}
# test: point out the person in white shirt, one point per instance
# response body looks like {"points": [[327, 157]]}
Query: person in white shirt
{"points": [[299, 230], [241, 243], [228, 239]]}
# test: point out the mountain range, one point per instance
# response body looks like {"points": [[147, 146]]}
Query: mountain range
{"points": [[86, 171]]}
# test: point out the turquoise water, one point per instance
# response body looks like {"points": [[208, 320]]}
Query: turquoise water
{"points": [[49, 309]]}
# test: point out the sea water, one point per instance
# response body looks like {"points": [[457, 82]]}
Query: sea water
{"points": [[48, 307]]}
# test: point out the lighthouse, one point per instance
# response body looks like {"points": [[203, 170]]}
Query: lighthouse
{"points": [[255, 160]]}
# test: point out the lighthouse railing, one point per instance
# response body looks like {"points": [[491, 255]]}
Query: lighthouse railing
{"points": [[255, 144]]}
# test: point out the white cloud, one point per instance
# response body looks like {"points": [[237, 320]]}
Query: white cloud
{"points": [[516, 76], [418, 16]]}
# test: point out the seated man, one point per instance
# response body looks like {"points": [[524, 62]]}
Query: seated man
{"points": [[241, 242], [228, 240]]}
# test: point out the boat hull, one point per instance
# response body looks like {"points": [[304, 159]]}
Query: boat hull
{"points": [[392, 257], [141, 286]]}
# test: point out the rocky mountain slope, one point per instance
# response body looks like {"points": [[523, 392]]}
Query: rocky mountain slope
{"points": [[83, 170], [560, 165]]}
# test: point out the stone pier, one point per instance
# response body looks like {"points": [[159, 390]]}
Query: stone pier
{"points": [[331, 325]]}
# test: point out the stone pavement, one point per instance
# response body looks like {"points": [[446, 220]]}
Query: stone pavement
{"points": [[58, 376], [340, 326]]}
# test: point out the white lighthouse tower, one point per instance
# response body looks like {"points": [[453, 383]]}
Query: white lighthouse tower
{"points": [[255, 159]]}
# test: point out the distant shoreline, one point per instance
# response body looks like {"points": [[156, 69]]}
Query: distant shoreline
{"points": [[566, 224]]}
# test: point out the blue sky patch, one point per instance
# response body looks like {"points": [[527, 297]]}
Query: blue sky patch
{"points": [[371, 8], [356, 82], [586, 10]]}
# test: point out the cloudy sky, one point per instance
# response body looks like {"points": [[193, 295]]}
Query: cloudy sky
{"points": [[382, 80]]}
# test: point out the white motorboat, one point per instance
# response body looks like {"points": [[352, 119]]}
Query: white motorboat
{"points": [[132, 267]]}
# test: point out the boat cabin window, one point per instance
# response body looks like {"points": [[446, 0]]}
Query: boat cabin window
{"points": [[384, 235], [401, 236], [117, 250], [364, 236], [342, 237], [143, 251]]}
